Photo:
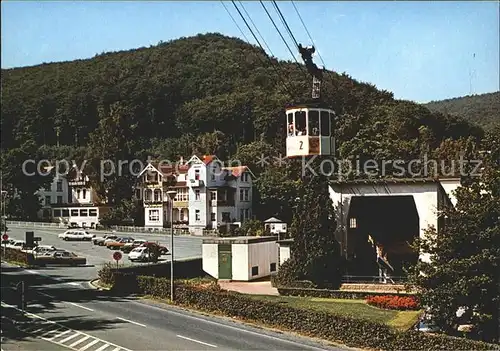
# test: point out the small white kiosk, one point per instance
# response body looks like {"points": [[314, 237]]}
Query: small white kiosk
{"points": [[241, 258]]}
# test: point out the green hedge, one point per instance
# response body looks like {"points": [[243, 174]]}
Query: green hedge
{"points": [[124, 279], [17, 256], [349, 331], [334, 294]]}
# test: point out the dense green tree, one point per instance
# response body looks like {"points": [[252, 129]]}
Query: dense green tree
{"points": [[315, 253], [465, 255]]}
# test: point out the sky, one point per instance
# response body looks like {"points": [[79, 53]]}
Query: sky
{"points": [[420, 51]]}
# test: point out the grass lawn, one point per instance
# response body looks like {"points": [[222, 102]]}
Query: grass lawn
{"points": [[401, 320]]}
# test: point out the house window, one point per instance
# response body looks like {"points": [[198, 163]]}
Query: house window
{"points": [[255, 270], [154, 215], [197, 174], [247, 213], [273, 227], [197, 195], [77, 193], [212, 217], [242, 215], [47, 200], [65, 213], [226, 217], [272, 267], [74, 213], [59, 186], [59, 200], [84, 193], [84, 213], [213, 195], [57, 213], [245, 177], [244, 195], [352, 223], [93, 212], [182, 195], [197, 215]]}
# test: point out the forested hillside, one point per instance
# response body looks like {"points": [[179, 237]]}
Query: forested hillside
{"points": [[207, 94], [483, 110]]}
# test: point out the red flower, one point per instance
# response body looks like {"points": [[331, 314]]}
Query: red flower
{"points": [[393, 302]]}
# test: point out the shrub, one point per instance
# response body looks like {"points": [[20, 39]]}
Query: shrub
{"points": [[394, 302], [350, 331], [334, 294], [17, 256]]}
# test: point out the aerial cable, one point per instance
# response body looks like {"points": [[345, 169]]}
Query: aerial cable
{"points": [[256, 29], [285, 24], [258, 42], [308, 34], [236, 23], [279, 32]]}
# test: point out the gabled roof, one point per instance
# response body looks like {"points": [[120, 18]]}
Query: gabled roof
{"points": [[149, 167], [273, 220], [205, 159], [165, 169], [239, 170]]}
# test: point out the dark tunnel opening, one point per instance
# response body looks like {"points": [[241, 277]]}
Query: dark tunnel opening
{"points": [[392, 222]]}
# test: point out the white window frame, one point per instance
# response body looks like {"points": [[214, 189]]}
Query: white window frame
{"points": [[154, 215]]}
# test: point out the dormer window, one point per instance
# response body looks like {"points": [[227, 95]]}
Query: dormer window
{"points": [[197, 174]]}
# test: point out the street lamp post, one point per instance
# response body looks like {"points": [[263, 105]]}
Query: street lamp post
{"points": [[171, 195]]}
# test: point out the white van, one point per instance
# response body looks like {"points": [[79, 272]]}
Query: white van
{"points": [[80, 235]]}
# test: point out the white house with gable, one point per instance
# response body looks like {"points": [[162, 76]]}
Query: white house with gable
{"points": [[218, 195]]}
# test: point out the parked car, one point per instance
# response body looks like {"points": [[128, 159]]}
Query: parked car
{"points": [[60, 257], [17, 245], [140, 253], [74, 225], [130, 246], [40, 249], [117, 244], [162, 249], [80, 235], [101, 239]]}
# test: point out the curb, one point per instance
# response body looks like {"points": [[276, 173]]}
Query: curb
{"points": [[94, 283]]}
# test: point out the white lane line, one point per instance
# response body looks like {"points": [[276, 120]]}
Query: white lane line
{"points": [[79, 341], [42, 293], [74, 283], [128, 320], [242, 329], [102, 347], [77, 305], [89, 345], [193, 340]]}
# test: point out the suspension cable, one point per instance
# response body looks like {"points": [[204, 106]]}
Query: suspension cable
{"points": [[256, 29], [279, 32], [285, 23], [307, 31], [258, 42], [236, 23]]}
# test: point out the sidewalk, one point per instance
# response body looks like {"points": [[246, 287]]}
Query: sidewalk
{"points": [[253, 288]]}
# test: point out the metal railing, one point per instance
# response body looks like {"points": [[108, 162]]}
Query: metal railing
{"points": [[375, 279], [118, 228]]}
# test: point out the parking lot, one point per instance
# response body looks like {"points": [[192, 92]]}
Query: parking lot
{"points": [[184, 247]]}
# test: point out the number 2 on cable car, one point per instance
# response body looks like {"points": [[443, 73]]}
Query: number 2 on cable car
{"points": [[301, 143]]}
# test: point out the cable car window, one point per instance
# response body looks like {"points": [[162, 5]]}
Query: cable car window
{"points": [[314, 123], [325, 123], [300, 123], [290, 123]]}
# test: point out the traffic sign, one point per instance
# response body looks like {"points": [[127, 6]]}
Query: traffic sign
{"points": [[117, 255], [5, 237]]}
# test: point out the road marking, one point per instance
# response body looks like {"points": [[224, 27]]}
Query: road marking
{"points": [[243, 329], [60, 334], [71, 337], [193, 340], [102, 347], [46, 294], [89, 345], [77, 305], [128, 320], [74, 283], [79, 341]]}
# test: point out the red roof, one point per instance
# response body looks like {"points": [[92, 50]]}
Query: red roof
{"points": [[237, 171], [207, 159]]}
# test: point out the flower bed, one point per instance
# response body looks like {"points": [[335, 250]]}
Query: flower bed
{"points": [[393, 302]]}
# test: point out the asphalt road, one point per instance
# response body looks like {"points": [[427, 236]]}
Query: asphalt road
{"points": [[68, 313], [184, 247]]}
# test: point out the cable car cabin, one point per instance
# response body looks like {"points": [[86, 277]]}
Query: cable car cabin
{"points": [[310, 131]]}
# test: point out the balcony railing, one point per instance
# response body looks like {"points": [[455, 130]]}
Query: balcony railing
{"points": [[77, 183]]}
